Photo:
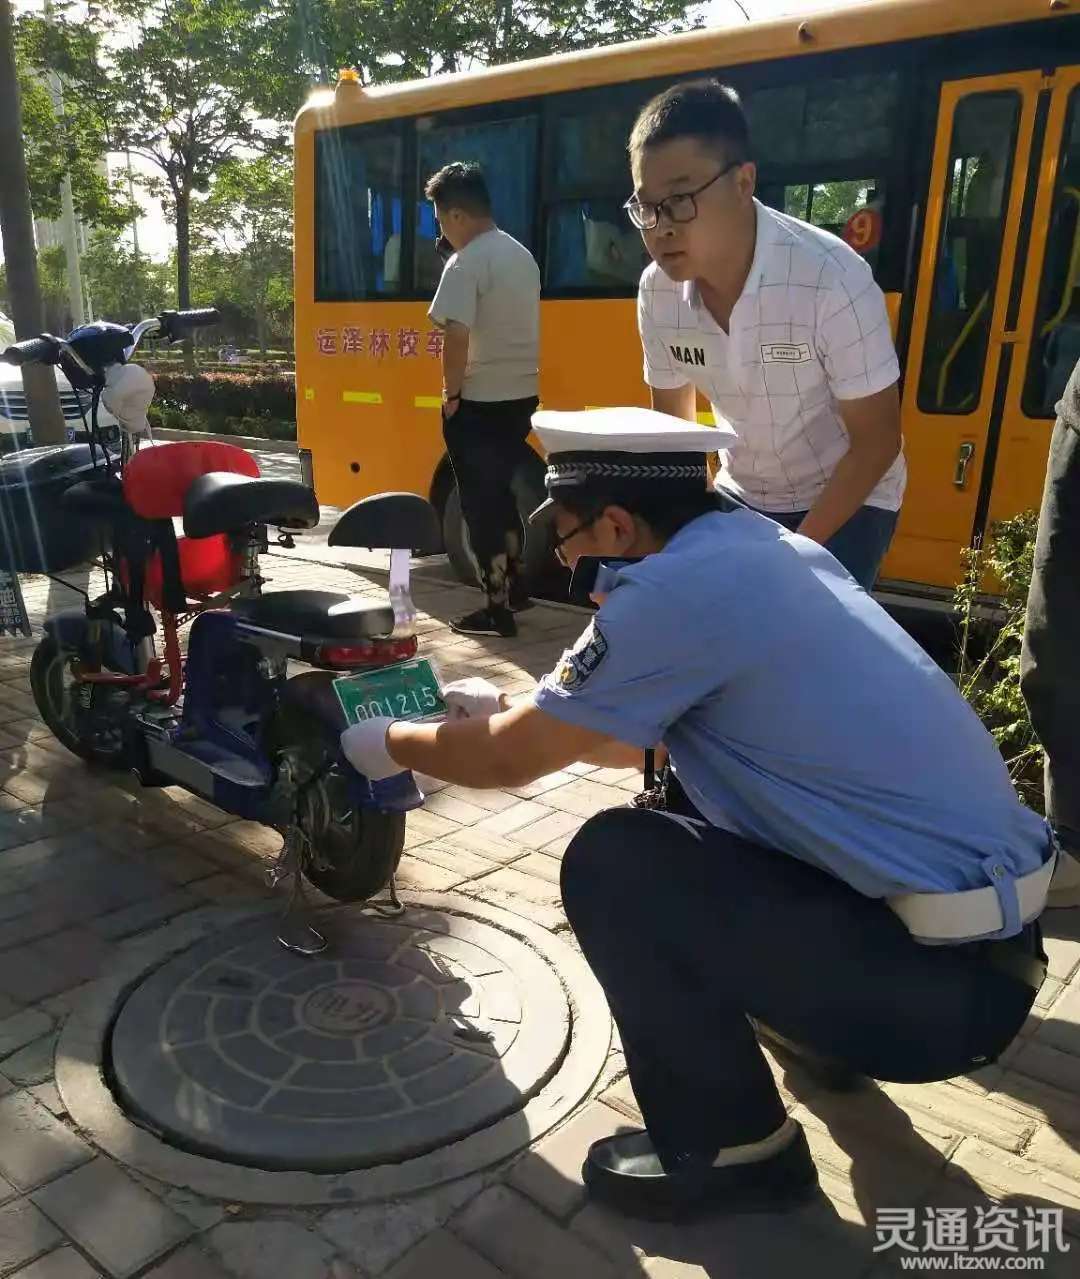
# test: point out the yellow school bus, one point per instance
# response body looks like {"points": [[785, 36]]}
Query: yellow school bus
{"points": [[942, 140]]}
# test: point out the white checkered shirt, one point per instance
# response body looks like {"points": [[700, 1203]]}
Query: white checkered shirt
{"points": [[810, 328]]}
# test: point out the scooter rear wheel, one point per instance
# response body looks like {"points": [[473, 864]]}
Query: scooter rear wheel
{"points": [[358, 855]]}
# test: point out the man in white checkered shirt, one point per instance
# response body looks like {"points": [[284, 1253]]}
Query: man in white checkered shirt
{"points": [[779, 324]]}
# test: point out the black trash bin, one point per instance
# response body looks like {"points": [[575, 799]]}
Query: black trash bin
{"points": [[37, 535]]}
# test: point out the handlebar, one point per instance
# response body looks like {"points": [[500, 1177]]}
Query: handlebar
{"points": [[40, 350], [46, 349]]}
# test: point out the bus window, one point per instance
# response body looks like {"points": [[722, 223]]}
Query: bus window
{"points": [[824, 122], [591, 243], [1055, 351], [975, 202], [358, 179], [506, 150], [831, 205]]}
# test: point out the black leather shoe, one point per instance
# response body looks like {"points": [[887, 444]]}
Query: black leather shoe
{"points": [[625, 1172], [826, 1072]]}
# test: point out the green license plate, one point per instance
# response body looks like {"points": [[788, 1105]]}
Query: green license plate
{"points": [[408, 691]]}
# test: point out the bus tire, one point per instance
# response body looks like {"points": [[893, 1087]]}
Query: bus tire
{"points": [[542, 571]]}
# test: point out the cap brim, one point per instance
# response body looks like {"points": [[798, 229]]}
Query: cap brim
{"points": [[544, 512]]}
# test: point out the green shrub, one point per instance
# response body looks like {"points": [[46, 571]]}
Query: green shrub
{"points": [[229, 395], [988, 672]]}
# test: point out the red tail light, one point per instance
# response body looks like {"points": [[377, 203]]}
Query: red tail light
{"points": [[378, 652]]}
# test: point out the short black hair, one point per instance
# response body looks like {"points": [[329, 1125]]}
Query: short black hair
{"points": [[460, 186], [703, 109], [664, 515]]}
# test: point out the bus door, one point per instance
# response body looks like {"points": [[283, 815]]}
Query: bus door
{"points": [[996, 317]]}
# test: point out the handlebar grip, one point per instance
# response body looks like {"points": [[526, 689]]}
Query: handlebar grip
{"points": [[174, 323], [40, 350]]}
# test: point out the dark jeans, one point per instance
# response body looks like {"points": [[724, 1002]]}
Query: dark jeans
{"points": [[690, 935], [1050, 660], [859, 545], [485, 443]]}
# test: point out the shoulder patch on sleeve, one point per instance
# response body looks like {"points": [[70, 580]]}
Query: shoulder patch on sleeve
{"points": [[578, 663]]}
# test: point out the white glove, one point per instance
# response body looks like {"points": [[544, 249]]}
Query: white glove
{"points": [[472, 698], [364, 746]]}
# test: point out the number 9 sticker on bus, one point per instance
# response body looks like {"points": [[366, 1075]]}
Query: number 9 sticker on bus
{"points": [[409, 691]]}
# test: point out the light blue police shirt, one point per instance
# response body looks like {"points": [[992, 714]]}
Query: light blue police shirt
{"points": [[799, 715]]}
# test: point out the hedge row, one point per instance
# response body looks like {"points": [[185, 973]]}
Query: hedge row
{"points": [[229, 395]]}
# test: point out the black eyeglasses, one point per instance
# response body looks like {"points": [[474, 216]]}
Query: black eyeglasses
{"points": [[680, 207], [560, 542]]}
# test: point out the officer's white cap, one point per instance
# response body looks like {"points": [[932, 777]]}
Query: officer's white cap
{"points": [[625, 449], [629, 430]]}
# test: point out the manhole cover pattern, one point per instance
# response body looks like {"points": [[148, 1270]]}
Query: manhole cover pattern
{"points": [[405, 1037]]}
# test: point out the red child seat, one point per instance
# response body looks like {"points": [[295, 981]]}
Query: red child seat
{"points": [[156, 481]]}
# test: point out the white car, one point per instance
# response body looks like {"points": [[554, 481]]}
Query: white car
{"points": [[14, 418]]}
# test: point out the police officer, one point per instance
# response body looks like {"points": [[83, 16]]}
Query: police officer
{"points": [[848, 864]]}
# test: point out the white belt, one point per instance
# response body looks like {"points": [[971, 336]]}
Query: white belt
{"points": [[975, 912]]}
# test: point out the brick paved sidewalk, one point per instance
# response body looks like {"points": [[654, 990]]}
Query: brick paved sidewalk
{"points": [[90, 865]]}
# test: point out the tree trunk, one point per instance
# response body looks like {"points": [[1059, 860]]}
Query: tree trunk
{"points": [[260, 326], [17, 233], [183, 264]]}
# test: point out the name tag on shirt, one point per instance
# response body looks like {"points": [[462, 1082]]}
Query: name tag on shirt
{"points": [[778, 353]]}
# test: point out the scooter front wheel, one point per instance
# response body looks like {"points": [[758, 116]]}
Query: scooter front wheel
{"points": [[94, 732]]}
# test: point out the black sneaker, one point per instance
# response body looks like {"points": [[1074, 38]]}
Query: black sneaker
{"points": [[487, 621], [625, 1173]]}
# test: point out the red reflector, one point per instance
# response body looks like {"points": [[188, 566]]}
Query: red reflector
{"points": [[380, 652]]}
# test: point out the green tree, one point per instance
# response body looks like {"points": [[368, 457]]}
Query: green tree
{"points": [[386, 41], [247, 222], [65, 141], [184, 84], [125, 286], [52, 281]]}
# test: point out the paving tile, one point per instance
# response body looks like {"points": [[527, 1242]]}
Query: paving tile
{"points": [[515, 883], [555, 825], [585, 797], [939, 1108], [440, 852], [377, 1235], [192, 1263], [522, 814], [999, 1175], [259, 1249], [180, 863], [117, 1223], [1061, 941], [444, 804], [7, 1191], [49, 1097], [494, 847], [1041, 1061], [1042, 1101], [34, 1145], [492, 801], [612, 1234], [620, 1097], [64, 1263], [1060, 1028], [540, 865], [21, 1029], [144, 915], [24, 1234], [550, 1173], [33, 1064], [421, 826], [418, 876], [443, 1256], [519, 1239]]}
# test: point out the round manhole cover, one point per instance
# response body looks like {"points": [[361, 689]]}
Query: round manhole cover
{"points": [[404, 1037]]}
